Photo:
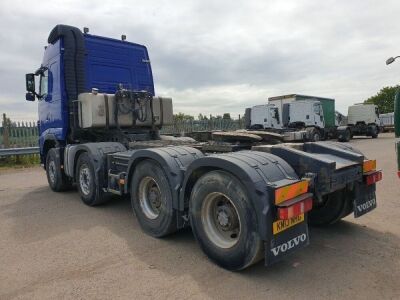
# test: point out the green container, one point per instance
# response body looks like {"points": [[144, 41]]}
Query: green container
{"points": [[398, 156], [328, 106], [397, 113]]}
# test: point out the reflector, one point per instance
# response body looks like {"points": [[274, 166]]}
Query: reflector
{"points": [[373, 178], [369, 165], [285, 213], [290, 191]]}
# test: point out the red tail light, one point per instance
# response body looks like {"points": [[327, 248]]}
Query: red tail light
{"points": [[373, 178], [398, 173], [285, 213]]}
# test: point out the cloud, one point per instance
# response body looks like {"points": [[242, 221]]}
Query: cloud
{"points": [[220, 56]]}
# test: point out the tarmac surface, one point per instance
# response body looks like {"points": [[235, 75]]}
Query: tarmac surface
{"points": [[52, 246]]}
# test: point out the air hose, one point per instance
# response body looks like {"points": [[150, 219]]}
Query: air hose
{"points": [[136, 103]]}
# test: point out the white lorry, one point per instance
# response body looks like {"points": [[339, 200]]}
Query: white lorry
{"points": [[264, 116], [362, 120], [298, 120]]}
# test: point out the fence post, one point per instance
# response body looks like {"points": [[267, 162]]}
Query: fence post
{"points": [[6, 140]]}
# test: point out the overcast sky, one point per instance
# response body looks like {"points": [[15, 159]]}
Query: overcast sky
{"points": [[219, 56]]}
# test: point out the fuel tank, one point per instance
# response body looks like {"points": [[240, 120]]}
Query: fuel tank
{"points": [[96, 110]]}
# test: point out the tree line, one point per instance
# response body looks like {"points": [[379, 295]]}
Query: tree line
{"points": [[384, 99], [185, 117]]}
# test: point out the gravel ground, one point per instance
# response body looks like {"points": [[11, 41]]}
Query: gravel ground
{"points": [[53, 246]]}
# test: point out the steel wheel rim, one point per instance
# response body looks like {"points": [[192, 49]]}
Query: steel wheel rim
{"points": [[52, 171], [85, 179], [221, 221], [150, 197]]}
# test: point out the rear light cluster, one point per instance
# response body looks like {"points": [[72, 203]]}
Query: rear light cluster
{"points": [[373, 178], [294, 210], [292, 200]]}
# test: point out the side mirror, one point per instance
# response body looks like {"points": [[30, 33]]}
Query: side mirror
{"points": [[30, 82], [30, 97]]}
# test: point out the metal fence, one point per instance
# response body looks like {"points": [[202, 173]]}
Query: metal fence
{"points": [[188, 126], [18, 134], [25, 134]]}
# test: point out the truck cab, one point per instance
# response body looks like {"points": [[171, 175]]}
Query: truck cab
{"points": [[303, 113], [264, 116], [76, 62], [362, 120], [367, 114]]}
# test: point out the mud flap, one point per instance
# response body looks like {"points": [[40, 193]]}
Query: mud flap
{"points": [[286, 242], [365, 199]]}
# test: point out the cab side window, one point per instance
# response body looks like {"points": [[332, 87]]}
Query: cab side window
{"points": [[276, 115], [44, 83]]}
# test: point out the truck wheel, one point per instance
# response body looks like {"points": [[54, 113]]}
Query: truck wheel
{"points": [[88, 188], [314, 134], [345, 137], [374, 132], [335, 207], [151, 198], [224, 222], [56, 178]]}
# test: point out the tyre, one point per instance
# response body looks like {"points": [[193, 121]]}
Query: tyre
{"points": [[56, 178], [151, 198], [89, 190], [314, 135], [224, 222], [335, 207], [374, 132], [345, 137]]}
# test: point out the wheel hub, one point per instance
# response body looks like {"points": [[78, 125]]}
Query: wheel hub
{"points": [[150, 197], [223, 218], [154, 197], [227, 218], [220, 220], [84, 179], [52, 171]]}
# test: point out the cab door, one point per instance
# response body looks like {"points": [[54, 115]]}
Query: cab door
{"points": [[53, 111], [318, 115]]}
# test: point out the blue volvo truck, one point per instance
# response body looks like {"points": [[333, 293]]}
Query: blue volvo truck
{"points": [[100, 121]]}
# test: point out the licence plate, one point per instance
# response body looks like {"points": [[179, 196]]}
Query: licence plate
{"points": [[282, 225]]}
